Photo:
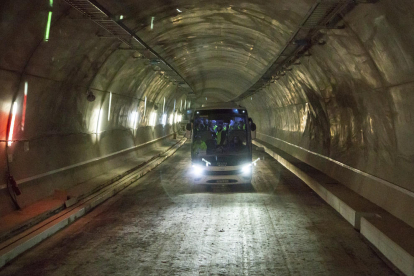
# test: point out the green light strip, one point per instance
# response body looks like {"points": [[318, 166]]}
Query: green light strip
{"points": [[51, 3], [152, 22], [49, 21]]}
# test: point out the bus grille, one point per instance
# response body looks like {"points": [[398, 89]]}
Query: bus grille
{"points": [[222, 181], [221, 172]]}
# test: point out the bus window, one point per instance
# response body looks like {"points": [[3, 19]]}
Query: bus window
{"points": [[221, 133]]}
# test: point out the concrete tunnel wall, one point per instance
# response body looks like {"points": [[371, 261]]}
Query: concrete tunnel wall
{"points": [[60, 126], [346, 109], [352, 102]]}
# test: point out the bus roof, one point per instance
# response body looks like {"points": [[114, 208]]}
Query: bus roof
{"points": [[220, 106]]}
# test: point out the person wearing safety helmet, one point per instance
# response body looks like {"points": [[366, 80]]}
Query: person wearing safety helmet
{"points": [[231, 125], [215, 126]]}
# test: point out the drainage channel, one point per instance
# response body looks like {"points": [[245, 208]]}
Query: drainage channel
{"points": [[15, 246]]}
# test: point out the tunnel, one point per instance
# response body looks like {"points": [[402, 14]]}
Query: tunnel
{"points": [[93, 91]]}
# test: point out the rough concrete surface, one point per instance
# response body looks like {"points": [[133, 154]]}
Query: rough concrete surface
{"points": [[165, 226], [347, 98]]}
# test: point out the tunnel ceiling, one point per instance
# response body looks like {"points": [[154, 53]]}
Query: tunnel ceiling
{"points": [[220, 47]]}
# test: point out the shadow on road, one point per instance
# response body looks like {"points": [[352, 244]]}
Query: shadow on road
{"points": [[223, 189]]}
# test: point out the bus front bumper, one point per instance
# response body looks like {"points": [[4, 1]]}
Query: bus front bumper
{"points": [[228, 175]]}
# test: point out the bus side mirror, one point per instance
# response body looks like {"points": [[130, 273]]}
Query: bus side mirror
{"points": [[253, 127], [188, 127]]}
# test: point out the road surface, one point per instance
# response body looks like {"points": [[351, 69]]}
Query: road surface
{"points": [[163, 225]]}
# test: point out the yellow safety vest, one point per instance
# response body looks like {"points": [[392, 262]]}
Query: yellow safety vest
{"points": [[200, 145], [218, 138]]}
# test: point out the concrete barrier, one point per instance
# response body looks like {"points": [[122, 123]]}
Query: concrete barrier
{"points": [[15, 246], [389, 235]]}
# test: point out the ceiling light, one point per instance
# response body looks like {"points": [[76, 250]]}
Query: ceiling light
{"points": [[49, 22], [179, 10]]}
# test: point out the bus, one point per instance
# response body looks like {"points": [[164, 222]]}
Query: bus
{"points": [[221, 145]]}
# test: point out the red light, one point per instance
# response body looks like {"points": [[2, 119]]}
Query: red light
{"points": [[24, 104], [24, 111], [14, 111]]}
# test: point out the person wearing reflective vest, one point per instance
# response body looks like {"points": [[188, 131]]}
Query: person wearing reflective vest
{"points": [[199, 145], [220, 132]]}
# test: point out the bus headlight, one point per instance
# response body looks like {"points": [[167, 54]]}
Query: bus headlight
{"points": [[247, 170], [197, 170]]}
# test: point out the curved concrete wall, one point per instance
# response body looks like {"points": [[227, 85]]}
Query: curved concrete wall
{"points": [[347, 109], [61, 127]]}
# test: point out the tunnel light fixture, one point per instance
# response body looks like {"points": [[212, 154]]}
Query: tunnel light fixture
{"points": [[163, 107], [153, 119], [109, 108], [179, 10], [145, 105], [98, 123], [49, 22], [11, 130], [171, 118], [26, 90], [121, 17], [164, 119], [134, 119], [152, 22]]}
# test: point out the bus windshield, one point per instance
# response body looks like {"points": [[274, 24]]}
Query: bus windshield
{"points": [[217, 132]]}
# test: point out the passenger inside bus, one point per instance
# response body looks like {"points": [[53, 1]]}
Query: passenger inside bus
{"points": [[235, 145], [199, 146], [219, 136]]}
